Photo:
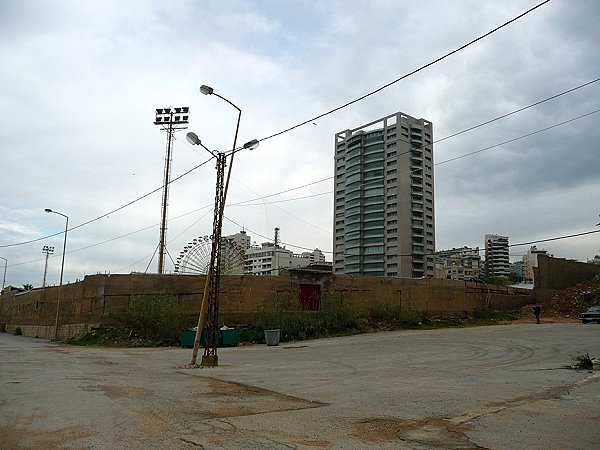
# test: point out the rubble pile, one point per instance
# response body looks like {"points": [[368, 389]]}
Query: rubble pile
{"points": [[569, 302]]}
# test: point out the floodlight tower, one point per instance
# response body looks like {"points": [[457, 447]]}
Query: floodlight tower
{"points": [[46, 250], [170, 120]]}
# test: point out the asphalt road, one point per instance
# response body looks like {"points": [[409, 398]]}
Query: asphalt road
{"points": [[499, 387]]}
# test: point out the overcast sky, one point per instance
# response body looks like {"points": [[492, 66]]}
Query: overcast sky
{"points": [[80, 81]]}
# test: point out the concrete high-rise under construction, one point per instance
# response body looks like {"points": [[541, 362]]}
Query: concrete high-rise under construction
{"points": [[384, 220]]}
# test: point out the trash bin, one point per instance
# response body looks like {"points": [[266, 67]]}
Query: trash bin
{"points": [[229, 337], [272, 337], [187, 337]]}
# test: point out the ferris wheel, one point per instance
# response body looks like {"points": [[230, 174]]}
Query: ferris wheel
{"points": [[194, 259]]}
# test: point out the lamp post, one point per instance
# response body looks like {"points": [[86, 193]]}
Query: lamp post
{"points": [[62, 268], [487, 297], [4, 278], [210, 302], [3, 281]]}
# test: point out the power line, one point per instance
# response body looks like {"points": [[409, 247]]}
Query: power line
{"points": [[515, 111], [282, 192], [110, 212], [462, 47], [284, 200], [329, 178], [555, 238], [518, 138], [266, 237], [303, 123], [568, 236]]}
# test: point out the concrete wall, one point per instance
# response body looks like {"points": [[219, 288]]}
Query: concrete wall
{"points": [[554, 274], [101, 299]]}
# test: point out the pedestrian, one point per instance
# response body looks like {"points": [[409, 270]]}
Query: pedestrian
{"points": [[537, 311]]}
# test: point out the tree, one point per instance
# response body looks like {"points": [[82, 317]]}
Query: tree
{"points": [[28, 286]]}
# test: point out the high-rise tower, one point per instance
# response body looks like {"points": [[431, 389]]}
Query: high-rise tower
{"points": [[384, 221]]}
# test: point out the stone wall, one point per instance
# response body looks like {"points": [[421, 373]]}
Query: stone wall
{"points": [[554, 274], [101, 299]]}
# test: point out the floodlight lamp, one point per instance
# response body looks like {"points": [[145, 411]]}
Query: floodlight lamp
{"points": [[185, 109], [177, 110], [206, 90], [159, 110], [251, 145], [167, 110], [193, 138]]}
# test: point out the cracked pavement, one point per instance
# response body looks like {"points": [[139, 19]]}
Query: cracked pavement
{"points": [[498, 387]]}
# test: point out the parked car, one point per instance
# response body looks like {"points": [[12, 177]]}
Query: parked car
{"points": [[591, 315]]}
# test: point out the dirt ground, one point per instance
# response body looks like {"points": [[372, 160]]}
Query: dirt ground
{"points": [[565, 306]]}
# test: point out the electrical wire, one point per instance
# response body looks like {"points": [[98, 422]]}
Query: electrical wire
{"points": [[515, 111], [423, 67], [462, 47], [110, 212], [373, 183], [518, 138], [558, 238]]}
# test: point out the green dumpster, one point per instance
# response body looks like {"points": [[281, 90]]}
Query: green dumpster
{"points": [[187, 337], [230, 337]]}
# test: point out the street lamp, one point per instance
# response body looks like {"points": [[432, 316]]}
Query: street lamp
{"points": [[62, 268], [3, 281], [487, 297], [4, 278], [210, 302]]}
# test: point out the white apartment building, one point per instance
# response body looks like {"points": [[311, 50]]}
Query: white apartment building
{"points": [[269, 259], [530, 261], [384, 221]]}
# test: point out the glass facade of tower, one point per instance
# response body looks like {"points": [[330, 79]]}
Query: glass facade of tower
{"points": [[383, 207]]}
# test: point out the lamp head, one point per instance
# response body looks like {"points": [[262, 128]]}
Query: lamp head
{"points": [[251, 145], [206, 90], [48, 210], [193, 138]]}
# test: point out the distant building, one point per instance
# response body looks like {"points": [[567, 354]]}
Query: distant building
{"points": [[384, 221], [497, 261], [242, 239], [458, 263], [517, 270], [269, 259], [530, 261]]}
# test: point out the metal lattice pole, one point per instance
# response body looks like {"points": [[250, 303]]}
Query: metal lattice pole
{"points": [[210, 357], [171, 120]]}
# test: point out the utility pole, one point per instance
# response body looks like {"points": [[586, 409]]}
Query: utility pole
{"points": [[46, 250], [170, 120], [210, 297]]}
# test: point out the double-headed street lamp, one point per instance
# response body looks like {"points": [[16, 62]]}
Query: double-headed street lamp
{"points": [[210, 301], [62, 268]]}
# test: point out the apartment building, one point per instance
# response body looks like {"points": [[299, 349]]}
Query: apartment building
{"points": [[269, 259], [530, 260], [497, 261], [384, 221], [458, 263]]}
